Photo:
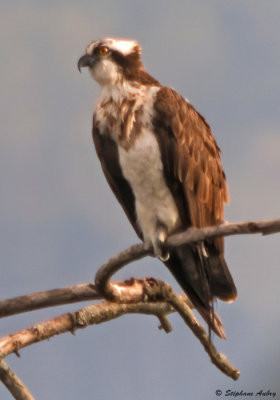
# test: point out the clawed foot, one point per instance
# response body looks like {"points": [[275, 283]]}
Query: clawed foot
{"points": [[162, 255], [159, 244]]}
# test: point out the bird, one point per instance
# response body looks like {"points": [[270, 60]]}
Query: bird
{"points": [[163, 164]]}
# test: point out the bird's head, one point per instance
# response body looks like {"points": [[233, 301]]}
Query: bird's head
{"points": [[112, 60]]}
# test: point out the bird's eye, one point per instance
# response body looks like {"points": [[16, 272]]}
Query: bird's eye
{"points": [[104, 50]]}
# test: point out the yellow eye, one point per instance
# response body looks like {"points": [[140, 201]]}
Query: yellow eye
{"points": [[104, 50]]}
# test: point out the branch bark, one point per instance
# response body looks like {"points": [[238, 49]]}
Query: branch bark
{"points": [[148, 290], [85, 292], [49, 298], [149, 296], [191, 235], [70, 322], [15, 386]]}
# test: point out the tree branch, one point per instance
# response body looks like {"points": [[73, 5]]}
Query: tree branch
{"points": [[70, 322], [49, 298], [13, 383], [191, 235], [149, 296], [85, 292], [218, 359], [148, 290]]}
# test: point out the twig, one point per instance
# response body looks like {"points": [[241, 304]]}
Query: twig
{"points": [[218, 359], [13, 383], [49, 298]]}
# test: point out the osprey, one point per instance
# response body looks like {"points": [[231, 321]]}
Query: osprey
{"points": [[163, 164]]}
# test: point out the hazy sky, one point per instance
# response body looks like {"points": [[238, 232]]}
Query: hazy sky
{"points": [[59, 220]]}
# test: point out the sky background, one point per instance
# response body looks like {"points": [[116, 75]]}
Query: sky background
{"points": [[59, 221]]}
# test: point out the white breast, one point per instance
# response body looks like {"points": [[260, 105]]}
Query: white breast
{"points": [[142, 167]]}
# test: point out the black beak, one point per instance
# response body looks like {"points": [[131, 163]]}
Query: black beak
{"points": [[86, 61]]}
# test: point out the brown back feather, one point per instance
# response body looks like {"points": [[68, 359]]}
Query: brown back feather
{"points": [[196, 162], [193, 170]]}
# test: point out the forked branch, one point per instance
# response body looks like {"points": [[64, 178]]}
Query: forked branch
{"points": [[148, 296]]}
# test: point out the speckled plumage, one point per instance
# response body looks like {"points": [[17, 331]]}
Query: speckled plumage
{"points": [[163, 164]]}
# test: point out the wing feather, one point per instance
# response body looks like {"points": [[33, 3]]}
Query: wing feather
{"points": [[194, 174], [193, 157], [108, 155]]}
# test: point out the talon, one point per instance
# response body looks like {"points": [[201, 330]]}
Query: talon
{"points": [[159, 245], [164, 257], [160, 252]]}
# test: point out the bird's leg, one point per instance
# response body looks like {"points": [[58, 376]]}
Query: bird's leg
{"points": [[159, 242]]}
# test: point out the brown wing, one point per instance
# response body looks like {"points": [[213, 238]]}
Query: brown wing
{"points": [[194, 174], [107, 152], [192, 158]]}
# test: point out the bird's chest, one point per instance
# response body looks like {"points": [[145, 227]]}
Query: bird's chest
{"points": [[121, 115], [128, 121], [142, 167]]}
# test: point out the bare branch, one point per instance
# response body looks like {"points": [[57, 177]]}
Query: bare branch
{"points": [[192, 235], [114, 264], [144, 294], [84, 292], [13, 383], [226, 229], [189, 236], [149, 296], [219, 360], [50, 298], [92, 314]]}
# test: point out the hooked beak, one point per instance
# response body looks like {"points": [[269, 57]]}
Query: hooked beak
{"points": [[86, 61]]}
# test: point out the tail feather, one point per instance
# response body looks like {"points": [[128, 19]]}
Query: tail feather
{"points": [[220, 279], [203, 276]]}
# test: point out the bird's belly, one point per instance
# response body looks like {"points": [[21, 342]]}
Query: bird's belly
{"points": [[142, 167]]}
